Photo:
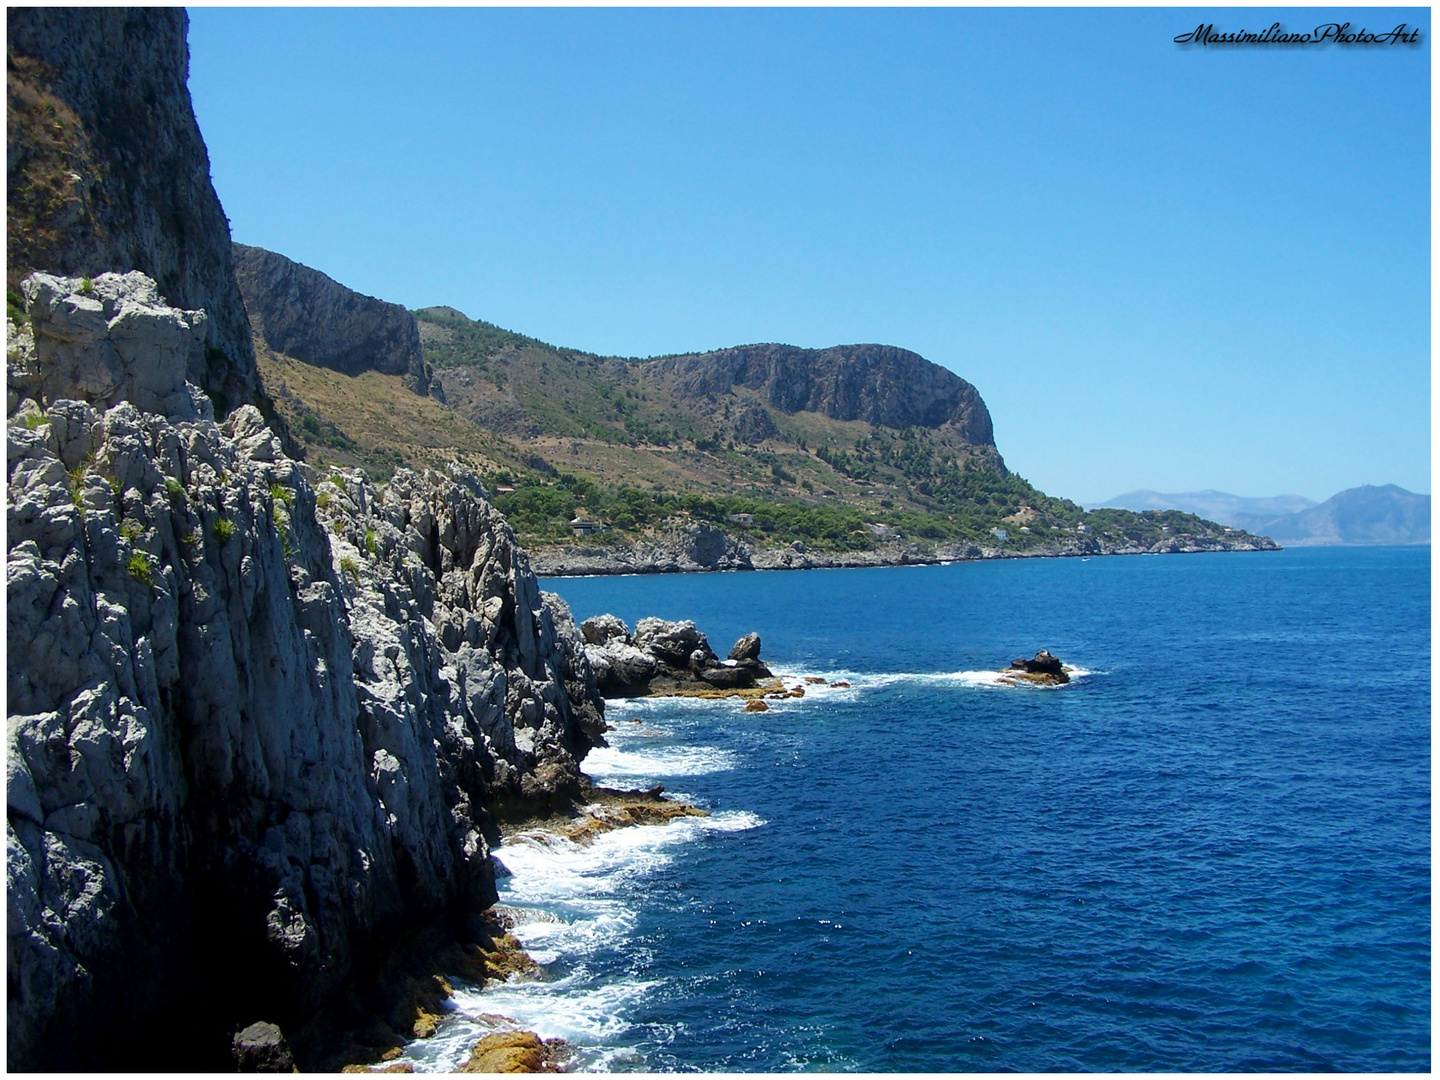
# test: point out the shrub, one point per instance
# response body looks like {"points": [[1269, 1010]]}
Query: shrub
{"points": [[322, 500], [281, 494], [77, 479], [224, 529], [131, 529], [371, 547], [139, 567], [351, 567], [86, 286], [173, 487], [192, 538], [34, 420]]}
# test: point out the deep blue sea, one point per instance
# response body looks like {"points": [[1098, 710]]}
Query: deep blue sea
{"points": [[1211, 852]]}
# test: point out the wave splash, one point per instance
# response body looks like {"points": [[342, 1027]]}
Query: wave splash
{"points": [[572, 909]]}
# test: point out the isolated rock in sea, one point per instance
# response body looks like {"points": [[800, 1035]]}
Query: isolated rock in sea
{"points": [[255, 715], [1043, 668], [669, 655], [261, 1048]]}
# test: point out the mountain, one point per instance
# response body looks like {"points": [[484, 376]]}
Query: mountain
{"points": [[845, 450], [1364, 515], [1234, 510], [308, 315]]}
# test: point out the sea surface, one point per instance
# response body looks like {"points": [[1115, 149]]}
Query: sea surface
{"points": [[1209, 852]]}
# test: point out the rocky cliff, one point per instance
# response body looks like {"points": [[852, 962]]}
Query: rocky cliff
{"points": [[880, 384], [259, 719], [107, 172], [306, 315]]}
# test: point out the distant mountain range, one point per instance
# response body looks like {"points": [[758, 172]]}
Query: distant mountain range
{"points": [[1364, 515]]}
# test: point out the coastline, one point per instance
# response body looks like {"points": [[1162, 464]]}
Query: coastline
{"points": [[674, 555], [414, 997]]}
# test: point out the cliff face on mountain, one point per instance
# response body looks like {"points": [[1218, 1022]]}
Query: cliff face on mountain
{"points": [[313, 318], [107, 172], [259, 719], [880, 384]]}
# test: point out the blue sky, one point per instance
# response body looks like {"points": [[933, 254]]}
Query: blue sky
{"points": [[1162, 267]]}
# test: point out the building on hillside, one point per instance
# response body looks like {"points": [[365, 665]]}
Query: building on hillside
{"points": [[741, 519], [584, 526]]}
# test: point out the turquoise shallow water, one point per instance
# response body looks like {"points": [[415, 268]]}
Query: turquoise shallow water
{"points": [[1212, 852]]}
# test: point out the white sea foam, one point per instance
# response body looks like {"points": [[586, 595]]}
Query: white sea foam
{"points": [[568, 902], [861, 682], [605, 762]]}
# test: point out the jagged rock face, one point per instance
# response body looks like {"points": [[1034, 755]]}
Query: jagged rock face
{"points": [[672, 643], [257, 720], [306, 315], [877, 383], [754, 424], [604, 628], [107, 341], [107, 171]]}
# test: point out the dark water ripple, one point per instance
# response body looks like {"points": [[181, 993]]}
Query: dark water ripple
{"points": [[1211, 854]]}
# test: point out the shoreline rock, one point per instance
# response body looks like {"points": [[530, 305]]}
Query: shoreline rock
{"points": [[411, 1002], [516, 1052], [602, 810], [679, 556], [669, 658]]}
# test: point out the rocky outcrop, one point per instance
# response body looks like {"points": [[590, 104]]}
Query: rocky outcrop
{"points": [[313, 318], [1043, 669], [665, 657], [107, 171], [258, 718], [881, 384], [515, 1052], [105, 341], [682, 550], [753, 424]]}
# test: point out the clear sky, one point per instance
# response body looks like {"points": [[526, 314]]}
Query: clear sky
{"points": [[1164, 267]]}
